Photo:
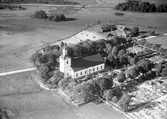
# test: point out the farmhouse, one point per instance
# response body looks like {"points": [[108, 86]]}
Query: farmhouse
{"points": [[77, 68]]}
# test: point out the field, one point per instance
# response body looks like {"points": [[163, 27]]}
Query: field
{"points": [[20, 83], [159, 40], [20, 35]]}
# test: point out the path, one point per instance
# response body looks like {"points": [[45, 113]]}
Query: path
{"points": [[17, 71]]}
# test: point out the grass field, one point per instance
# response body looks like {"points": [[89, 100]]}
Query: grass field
{"points": [[20, 83], [159, 40]]}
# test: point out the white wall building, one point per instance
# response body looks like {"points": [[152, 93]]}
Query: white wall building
{"points": [[80, 67]]}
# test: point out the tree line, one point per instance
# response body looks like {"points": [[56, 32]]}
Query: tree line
{"points": [[139, 6], [11, 7], [40, 1]]}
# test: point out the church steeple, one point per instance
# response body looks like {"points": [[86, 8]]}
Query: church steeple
{"points": [[65, 51], [65, 60]]}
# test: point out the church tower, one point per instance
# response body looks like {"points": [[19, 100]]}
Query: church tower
{"points": [[65, 62]]}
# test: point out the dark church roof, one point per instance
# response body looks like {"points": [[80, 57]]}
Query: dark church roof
{"points": [[86, 62]]}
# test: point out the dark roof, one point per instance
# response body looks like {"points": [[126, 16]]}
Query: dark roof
{"points": [[86, 62]]}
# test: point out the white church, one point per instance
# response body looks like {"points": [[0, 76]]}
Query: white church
{"points": [[77, 68]]}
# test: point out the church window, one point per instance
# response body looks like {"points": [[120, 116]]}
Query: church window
{"points": [[85, 71], [67, 62], [93, 69], [97, 68], [101, 66], [76, 74], [81, 73]]}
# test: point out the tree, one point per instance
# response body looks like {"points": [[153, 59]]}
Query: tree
{"points": [[147, 44], [114, 99], [159, 69], [132, 72], [115, 40], [35, 56], [135, 30], [109, 95], [48, 48], [103, 83], [109, 77], [123, 60], [40, 14], [133, 61], [145, 65], [79, 94], [62, 44], [109, 47], [152, 32], [57, 17], [64, 82], [70, 52], [58, 76], [114, 51], [84, 92], [110, 57], [123, 103], [44, 72], [121, 52], [156, 46], [164, 72], [121, 77], [129, 39]]}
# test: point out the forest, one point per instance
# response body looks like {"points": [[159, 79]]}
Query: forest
{"points": [[139, 6]]}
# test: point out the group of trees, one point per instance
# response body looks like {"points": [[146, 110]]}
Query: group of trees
{"points": [[46, 62], [139, 6], [112, 94], [11, 7], [92, 89], [119, 57], [54, 17], [143, 66], [156, 47], [116, 96], [40, 1]]}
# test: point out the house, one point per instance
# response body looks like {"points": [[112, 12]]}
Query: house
{"points": [[77, 68], [106, 28]]}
